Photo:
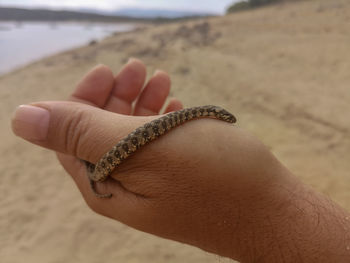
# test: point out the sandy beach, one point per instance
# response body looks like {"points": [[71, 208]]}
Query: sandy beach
{"points": [[283, 70]]}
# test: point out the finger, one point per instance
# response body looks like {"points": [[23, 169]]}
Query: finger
{"points": [[128, 85], [154, 95], [67, 127], [174, 105], [72, 128], [95, 88], [78, 172]]}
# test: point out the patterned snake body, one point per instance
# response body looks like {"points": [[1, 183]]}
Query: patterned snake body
{"points": [[147, 133]]}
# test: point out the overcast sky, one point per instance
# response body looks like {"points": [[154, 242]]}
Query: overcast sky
{"points": [[212, 6]]}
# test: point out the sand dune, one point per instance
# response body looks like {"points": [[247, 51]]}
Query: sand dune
{"points": [[283, 70]]}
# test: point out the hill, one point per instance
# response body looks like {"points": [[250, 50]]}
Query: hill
{"points": [[91, 15], [21, 14], [282, 70], [157, 13]]}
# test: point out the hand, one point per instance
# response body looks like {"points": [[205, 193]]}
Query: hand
{"points": [[118, 94], [207, 183]]}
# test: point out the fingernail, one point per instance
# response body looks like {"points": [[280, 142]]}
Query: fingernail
{"points": [[130, 60], [31, 123], [157, 71]]}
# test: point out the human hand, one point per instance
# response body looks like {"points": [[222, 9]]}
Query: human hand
{"points": [[206, 183]]}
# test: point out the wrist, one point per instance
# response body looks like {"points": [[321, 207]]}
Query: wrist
{"points": [[299, 224]]}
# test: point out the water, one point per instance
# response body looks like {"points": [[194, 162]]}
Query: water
{"points": [[22, 43]]}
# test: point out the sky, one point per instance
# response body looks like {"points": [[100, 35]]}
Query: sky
{"points": [[212, 6]]}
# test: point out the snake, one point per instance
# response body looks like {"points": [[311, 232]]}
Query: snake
{"points": [[144, 134]]}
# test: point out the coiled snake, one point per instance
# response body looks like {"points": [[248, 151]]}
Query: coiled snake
{"points": [[147, 133]]}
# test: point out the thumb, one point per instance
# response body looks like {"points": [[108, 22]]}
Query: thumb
{"points": [[87, 133], [72, 128]]}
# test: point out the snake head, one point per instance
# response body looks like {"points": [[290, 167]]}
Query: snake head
{"points": [[225, 115]]}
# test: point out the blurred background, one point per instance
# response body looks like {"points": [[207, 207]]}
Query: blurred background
{"points": [[282, 67], [48, 27]]}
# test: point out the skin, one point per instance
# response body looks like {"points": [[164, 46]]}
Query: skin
{"points": [[206, 183]]}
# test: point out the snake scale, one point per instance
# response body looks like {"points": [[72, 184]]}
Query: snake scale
{"points": [[145, 134]]}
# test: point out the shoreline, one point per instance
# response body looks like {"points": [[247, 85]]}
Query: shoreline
{"points": [[105, 32]]}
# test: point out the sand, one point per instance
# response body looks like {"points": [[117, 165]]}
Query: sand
{"points": [[283, 70]]}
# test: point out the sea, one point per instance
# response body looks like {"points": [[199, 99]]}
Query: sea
{"points": [[24, 42]]}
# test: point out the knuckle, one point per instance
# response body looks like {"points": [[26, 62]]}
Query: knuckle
{"points": [[97, 205], [92, 201], [92, 204]]}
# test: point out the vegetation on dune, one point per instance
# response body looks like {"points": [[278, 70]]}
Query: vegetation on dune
{"points": [[249, 4], [239, 6], [21, 14]]}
